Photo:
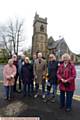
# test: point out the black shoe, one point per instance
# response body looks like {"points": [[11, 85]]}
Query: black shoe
{"points": [[29, 95], [24, 95], [12, 97], [15, 91], [46, 99]]}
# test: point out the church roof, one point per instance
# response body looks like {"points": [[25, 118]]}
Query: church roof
{"points": [[53, 44]]}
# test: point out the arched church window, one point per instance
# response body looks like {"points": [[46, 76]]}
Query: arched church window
{"points": [[42, 28]]}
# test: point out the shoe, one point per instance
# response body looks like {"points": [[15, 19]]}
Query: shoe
{"points": [[24, 95], [36, 95], [43, 96], [46, 99], [29, 95], [5, 98], [19, 91], [68, 109], [53, 100]]}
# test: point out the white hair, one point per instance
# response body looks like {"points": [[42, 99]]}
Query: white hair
{"points": [[66, 56], [10, 61], [39, 54]]}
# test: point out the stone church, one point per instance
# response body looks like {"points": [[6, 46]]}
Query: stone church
{"points": [[40, 38], [41, 42]]}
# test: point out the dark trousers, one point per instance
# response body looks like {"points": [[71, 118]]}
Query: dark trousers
{"points": [[15, 83], [43, 87], [8, 91], [66, 100], [32, 86], [28, 89], [19, 83]]}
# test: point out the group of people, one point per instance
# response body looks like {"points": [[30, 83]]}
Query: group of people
{"points": [[39, 73]]}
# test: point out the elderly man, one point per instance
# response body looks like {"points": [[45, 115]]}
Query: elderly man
{"points": [[20, 64], [15, 62], [39, 73]]}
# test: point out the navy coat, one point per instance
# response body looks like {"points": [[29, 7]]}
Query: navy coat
{"points": [[27, 73], [52, 71]]}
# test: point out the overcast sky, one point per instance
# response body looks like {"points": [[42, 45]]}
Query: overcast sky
{"points": [[63, 18]]}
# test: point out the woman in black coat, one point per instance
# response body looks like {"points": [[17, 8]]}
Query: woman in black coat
{"points": [[52, 76], [27, 77]]}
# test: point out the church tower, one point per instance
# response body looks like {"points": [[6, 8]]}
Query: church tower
{"points": [[39, 38]]}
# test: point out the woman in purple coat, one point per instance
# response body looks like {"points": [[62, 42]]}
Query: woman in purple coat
{"points": [[27, 77]]}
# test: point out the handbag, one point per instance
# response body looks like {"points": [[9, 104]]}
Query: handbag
{"points": [[67, 84]]}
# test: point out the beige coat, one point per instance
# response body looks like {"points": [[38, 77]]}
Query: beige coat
{"points": [[39, 70]]}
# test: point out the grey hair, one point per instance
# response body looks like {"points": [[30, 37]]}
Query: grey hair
{"points": [[67, 56]]}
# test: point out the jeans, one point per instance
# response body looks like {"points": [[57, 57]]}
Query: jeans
{"points": [[8, 91], [54, 88], [66, 100]]}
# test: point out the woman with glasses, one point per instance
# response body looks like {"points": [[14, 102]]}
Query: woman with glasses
{"points": [[27, 77], [52, 77]]}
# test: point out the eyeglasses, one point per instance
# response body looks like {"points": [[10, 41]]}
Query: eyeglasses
{"points": [[50, 57]]}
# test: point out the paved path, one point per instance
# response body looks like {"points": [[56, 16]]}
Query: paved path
{"points": [[30, 107]]}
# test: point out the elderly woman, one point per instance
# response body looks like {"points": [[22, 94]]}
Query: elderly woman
{"points": [[27, 77], [52, 74], [9, 73], [66, 75]]}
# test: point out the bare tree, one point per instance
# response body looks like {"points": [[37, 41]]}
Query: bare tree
{"points": [[12, 35], [6, 46]]}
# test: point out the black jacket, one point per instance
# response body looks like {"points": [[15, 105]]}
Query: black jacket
{"points": [[27, 73]]}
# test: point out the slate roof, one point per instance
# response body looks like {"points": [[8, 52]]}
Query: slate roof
{"points": [[53, 44]]}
